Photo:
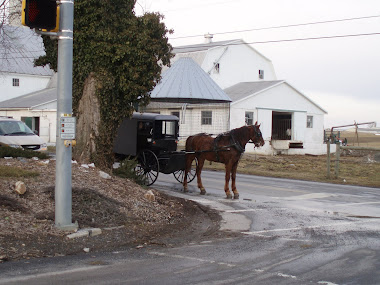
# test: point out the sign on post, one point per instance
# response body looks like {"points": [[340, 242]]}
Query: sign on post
{"points": [[67, 128]]}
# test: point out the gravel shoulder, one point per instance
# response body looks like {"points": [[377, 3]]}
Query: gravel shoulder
{"points": [[119, 207]]}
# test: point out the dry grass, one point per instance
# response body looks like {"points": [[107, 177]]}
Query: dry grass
{"points": [[365, 139], [7, 171], [354, 170]]}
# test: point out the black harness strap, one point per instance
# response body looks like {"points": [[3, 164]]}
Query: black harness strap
{"points": [[236, 144]]}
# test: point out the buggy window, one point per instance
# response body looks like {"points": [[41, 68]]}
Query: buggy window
{"points": [[165, 129]]}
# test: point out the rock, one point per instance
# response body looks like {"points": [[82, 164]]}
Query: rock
{"points": [[85, 166], [116, 165], [86, 249], [377, 157], [78, 234], [20, 187], [94, 232], [104, 175], [150, 196], [92, 165]]}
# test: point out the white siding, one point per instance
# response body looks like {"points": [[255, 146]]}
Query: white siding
{"points": [[238, 63], [190, 119], [48, 121], [283, 98], [28, 84]]}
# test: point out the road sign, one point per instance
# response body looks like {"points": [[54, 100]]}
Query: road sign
{"points": [[67, 128]]}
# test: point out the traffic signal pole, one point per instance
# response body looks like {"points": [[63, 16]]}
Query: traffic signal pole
{"points": [[63, 181]]}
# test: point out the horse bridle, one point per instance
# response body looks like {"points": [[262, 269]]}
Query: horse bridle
{"points": [[258, 134]]}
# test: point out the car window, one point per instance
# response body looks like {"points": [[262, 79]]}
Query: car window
{"points": [[14, 128]]}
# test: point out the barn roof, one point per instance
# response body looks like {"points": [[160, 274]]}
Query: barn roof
{"points": [[19, 47], [187, 82], [34, 99], [244, 90], [203, 46]]}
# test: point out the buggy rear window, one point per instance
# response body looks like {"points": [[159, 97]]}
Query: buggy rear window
{"points": [[165, 129]]}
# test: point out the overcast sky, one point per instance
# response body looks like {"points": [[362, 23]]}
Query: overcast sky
{"points": [[342, 74]]}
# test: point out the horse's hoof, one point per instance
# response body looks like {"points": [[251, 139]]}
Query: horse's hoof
{"points": [[236, 196], [203, 192], [229, 196], [185, 190]]}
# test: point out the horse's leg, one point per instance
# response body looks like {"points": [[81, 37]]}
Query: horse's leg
{"points": [[189, 160], [201, 161], [233, 183], [227, 182]]}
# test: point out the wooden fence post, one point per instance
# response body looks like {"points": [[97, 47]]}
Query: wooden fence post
{"points": [[328, 159], [337, 156]]}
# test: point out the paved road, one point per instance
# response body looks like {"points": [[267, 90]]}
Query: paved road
{"points": [[292, 232]]}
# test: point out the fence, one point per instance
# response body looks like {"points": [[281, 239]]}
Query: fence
{"points": [[337, 154]]}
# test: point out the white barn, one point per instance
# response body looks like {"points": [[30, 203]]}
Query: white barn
{"points": [[291, 123]]}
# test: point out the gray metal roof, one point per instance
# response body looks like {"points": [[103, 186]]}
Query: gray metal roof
{"points": [[186, 82], [19, 47], [202, 47], [31, 100], [244, 89]]}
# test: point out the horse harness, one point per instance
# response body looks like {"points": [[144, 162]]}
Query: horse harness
{"points": [[233, 142]]}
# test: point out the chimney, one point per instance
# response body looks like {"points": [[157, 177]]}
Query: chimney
{"points": [[208, 38]]}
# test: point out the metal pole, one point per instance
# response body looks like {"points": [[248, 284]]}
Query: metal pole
{"points": [[328, 159], [63, 191], [337, 157]]}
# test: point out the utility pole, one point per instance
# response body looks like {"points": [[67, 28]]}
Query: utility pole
{"points": [[65, 136], [43, 15]]}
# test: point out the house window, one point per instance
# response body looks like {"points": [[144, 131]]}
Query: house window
{"points": [[206, 117], [15, 82], [249, 118], [175, 114], [261, 74], [216, 67], [309, 122]]}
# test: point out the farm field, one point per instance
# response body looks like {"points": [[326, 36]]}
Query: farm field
{"points": [[356, 167], [365, 139]]}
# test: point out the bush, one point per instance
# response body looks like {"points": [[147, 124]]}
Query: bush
{"points": [[127, 170], [6, 151]]}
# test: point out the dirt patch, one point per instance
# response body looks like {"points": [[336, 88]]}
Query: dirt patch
{"points": [[115, 205]]}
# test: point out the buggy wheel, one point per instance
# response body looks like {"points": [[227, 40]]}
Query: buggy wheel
{"points": [[147, 166], [179, 174]]}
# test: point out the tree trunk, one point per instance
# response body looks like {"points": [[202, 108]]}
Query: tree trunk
{"points": [[88, 120]]}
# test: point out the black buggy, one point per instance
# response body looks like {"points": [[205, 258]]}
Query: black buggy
{"points": [[152, 139]]}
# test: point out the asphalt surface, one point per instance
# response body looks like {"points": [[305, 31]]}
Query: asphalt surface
{"points": [[289, 232]]}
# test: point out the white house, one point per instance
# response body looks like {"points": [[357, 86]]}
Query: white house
{"points": [[189, 93], [37, 109], [18, 75]]}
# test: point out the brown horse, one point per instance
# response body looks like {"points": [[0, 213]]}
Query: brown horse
{"points": [[226, 148]]}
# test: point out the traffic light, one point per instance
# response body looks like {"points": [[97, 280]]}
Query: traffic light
{"points": [[40, 14]]}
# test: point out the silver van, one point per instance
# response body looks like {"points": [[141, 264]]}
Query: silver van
{"points": [[16, 134]]}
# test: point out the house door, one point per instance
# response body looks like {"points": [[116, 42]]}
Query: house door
{"points": [[281, 126]]}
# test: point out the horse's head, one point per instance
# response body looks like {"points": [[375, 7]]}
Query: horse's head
{"points": [[255, 135]]}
